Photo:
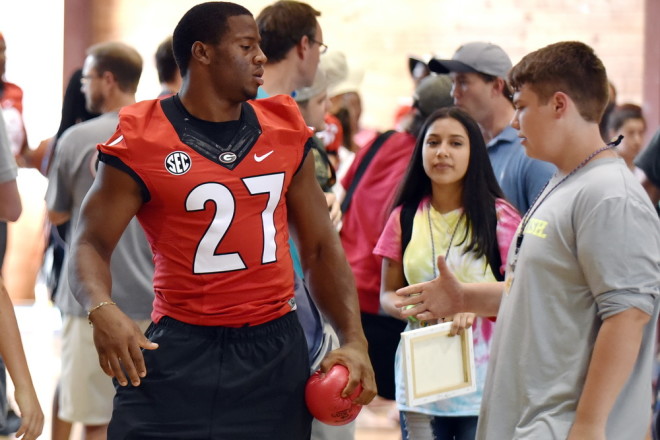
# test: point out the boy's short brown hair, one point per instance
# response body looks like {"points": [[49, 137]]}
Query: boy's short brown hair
{"points": [[283, 24], [570, 67]]}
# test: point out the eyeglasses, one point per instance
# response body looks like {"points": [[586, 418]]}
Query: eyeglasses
{"points": [[87, 78], [323, 48]]}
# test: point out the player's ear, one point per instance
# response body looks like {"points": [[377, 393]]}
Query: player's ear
{"points": [[200, 52]]}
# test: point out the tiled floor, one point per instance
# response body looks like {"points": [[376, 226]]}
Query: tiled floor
{"points": [[40, 324]]}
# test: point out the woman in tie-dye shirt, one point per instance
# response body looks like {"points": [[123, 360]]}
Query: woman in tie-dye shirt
{"points": [[462, 215]]}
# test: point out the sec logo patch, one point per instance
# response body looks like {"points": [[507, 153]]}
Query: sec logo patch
{"points": [[178, 163]]}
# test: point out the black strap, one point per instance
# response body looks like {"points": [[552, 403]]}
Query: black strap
{"points": [[366, 159], [495, 259], [406, 219]]}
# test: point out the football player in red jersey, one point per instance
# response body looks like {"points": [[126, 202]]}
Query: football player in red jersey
{"points": [[215, 180]]}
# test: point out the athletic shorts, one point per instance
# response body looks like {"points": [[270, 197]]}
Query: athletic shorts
{"points": [[86, 392], [218, 383]]}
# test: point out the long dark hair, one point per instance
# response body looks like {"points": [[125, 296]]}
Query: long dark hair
{"points": [[73, 105], [480, 187]]}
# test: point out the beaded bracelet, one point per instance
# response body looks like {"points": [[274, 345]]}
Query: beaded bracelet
{"points": [[98, 306]]}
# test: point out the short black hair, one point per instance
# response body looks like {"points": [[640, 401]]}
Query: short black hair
{"points": [[283, 24], [165, 62], [206, 22]]}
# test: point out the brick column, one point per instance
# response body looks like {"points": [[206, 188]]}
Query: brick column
{"points": [[85, 22], [651, 84]]}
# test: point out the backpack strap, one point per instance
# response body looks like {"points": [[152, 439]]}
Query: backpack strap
{"points": [[362, 167], [406, 218], [495, 259]]}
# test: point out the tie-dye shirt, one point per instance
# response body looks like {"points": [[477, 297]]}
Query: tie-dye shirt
{"points": [[418, 266]]}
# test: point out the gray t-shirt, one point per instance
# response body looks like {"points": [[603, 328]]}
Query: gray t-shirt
{"points": [[591, 250], [8, 168], [70, 177]]}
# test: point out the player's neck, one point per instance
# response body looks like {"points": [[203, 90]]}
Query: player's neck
{"points": [[208, 106]]}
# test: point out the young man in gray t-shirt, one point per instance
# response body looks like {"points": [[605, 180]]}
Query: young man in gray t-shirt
{"points": [[573, 347]]}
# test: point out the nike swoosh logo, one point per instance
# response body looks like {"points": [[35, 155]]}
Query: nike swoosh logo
{"points": [[261, 158]]}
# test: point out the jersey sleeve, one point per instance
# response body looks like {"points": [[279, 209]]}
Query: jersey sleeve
{"points": [[309, 145], [389, 243], [508, 220], [115, 152]]}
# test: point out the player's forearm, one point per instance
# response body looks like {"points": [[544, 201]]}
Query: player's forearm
{"points": [[614, 356], [89, 274]]}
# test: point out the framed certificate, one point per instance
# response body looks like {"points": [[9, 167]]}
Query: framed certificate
{"points": [[437, 366]]}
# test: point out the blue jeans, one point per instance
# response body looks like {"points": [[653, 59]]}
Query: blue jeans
{"points": [[418, 426]]}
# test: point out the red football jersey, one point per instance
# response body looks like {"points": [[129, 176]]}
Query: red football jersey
{"points": [[217, 227]]}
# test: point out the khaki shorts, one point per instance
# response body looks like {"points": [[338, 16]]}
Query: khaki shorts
{"points": [[86, 392]]}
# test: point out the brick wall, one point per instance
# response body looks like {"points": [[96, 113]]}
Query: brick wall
{"points": [[379, 35], [382, 41]]}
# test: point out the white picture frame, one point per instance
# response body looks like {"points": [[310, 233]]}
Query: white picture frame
{"points": [[437, 366]]}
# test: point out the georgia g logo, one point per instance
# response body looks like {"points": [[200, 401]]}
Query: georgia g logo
{"points": [[178, 163], [227, 157]]}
